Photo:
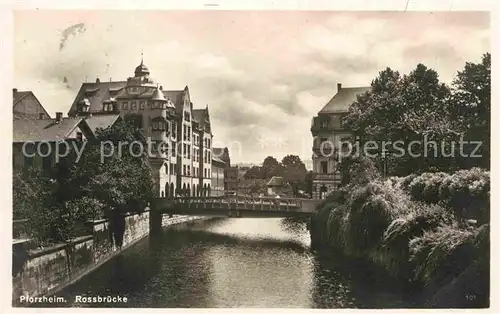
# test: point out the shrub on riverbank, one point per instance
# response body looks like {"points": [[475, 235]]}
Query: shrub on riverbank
{"points": [[424, 241]]}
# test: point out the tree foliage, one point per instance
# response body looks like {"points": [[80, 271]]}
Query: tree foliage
{"points": [[79, 190], [418, 108]]}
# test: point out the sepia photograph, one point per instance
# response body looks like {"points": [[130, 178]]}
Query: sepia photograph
{"points": [[251, 159]]}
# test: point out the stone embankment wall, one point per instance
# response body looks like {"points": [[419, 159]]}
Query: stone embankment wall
{"points": [[44, 271]]}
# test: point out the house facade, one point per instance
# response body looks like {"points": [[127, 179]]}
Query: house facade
{"points": [[328, 134], [180, 136], [230, 173], [218, 167]]}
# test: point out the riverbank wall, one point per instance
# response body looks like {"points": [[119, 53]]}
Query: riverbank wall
{"points": [[46, 270]]}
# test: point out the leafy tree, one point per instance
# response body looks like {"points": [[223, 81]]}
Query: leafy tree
{"points": [[270, 167], [472, 108], [404, 108], [86, 189], [253, 173], [293, 171]]}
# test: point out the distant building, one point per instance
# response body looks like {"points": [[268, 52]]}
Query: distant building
{"points": [[218, 168], [230, 173], [39, 138], [275, 186], [27, 106], [328, 131]]}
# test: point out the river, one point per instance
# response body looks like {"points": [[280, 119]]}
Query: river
{"points": [[253, 263]]}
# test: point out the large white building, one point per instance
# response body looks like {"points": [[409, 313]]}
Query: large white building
{"points": [[328, 132], [164, 116]]}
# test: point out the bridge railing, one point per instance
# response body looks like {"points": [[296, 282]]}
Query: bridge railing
{"points": [[241, 202]]}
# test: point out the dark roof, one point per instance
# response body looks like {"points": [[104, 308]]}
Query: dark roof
{"points": [[101, 121], [177, 97], [343, 99], [218, 160], [31, 130], [275, 181], [18, 96], [199, 116], [96, 93]]}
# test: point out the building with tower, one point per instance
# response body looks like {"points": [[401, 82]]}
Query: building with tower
{"points": [[182, 165]]}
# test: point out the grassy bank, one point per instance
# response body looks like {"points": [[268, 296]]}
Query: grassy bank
{"points": [[430, 230]]}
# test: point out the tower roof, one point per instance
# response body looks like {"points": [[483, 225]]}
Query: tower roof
{"points": [[158, 95], [141, 69]]}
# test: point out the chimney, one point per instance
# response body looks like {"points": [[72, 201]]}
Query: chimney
{"points": [[41, 116], [339, 87], [58, 117], [97, 80], [14, 91], [161, 87]]}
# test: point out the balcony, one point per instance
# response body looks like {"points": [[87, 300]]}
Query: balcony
{"points": [[327, 176]]}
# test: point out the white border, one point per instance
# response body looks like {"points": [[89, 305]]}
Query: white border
{"points": [[6, 28]]}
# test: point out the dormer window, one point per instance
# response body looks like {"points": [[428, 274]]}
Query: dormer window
{"points": [[134, 105], [142, 105], [125, 105], [108, 107]]}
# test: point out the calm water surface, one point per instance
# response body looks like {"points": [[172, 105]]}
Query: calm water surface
{"points": [[229, 263]]}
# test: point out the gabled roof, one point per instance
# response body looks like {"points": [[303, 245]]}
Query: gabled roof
{"points": [[275, 181], [31, 130], [18, 96], [101, 121], [343, 99]]}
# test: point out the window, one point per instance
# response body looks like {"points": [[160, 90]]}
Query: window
{"points": [[79, 136], [209, 173], [183, 170], [324, 167], [149, 105], [166, 168], [324, 123], [142, 105], [134, 105], [208, 143], [188, 170], [188, 151], [125, 105]]}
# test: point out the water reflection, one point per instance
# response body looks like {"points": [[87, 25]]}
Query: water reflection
{"points": [[229, 263]]}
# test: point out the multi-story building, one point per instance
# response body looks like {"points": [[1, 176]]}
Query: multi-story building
{"points": [[230, 173], [180, 136], [27, 106], [328, 133], [218, 167]]}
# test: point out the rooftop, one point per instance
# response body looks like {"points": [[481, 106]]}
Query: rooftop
{"points": [[344, 97], [31, 130], [276, 181]]}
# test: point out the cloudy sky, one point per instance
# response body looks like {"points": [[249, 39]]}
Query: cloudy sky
{"points": [[263, 75]]}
